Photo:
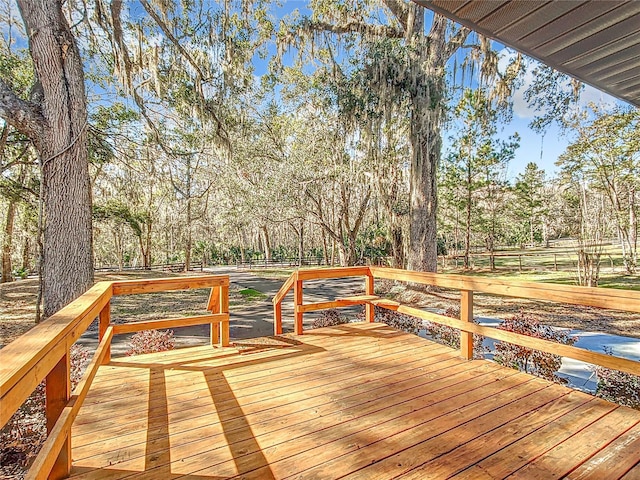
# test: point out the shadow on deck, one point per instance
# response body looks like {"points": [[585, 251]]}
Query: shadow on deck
{"points": [[357, 401]]}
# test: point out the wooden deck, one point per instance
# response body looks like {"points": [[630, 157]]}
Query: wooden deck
{"points": [[357, 401]]}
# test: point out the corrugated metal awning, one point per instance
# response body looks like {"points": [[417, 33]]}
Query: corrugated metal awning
{"points": [[597, 42]]}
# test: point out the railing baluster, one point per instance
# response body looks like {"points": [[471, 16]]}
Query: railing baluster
{"points": [[369, 290], [466, 315], [298, 313], [58, 392], [224, 308], [277, 318], [214, 307], [105, 319]]}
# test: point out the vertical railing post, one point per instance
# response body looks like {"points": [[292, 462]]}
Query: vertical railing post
{"points": [[369, 290], [224, 308], [466, 315], [277, 318], [105, 319], [297, 304], [57, 394], [214, 307]]}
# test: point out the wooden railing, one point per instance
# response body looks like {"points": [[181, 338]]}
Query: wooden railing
{"points": [[296, 280], [624, 300], [43, 353]]}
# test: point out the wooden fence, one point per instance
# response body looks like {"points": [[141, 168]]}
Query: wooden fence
{"points": [[615, 299], [160, 267], [43, 353]]}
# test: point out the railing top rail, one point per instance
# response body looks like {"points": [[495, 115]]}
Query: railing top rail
{"points": [[18, 357], [26, 361], [284, 289], [154, 285], [339, 272], [611, 298]]}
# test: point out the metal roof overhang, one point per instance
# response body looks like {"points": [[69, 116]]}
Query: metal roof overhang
{"points": [[597, 42]]}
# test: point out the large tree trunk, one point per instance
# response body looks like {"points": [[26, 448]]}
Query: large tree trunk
{"points": [[60, 138], [26, 250], [426, 144], [8, 240], [427, 104], [266, 243]]}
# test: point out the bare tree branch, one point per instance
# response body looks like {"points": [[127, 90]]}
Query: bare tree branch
{"points": [[457, 41], [23, 116], [400, 10]]}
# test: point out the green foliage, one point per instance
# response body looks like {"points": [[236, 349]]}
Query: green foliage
{"points": [[16, 69], [554, 95], [531, 209], [472, 182], [252, 294], [118, 212]]}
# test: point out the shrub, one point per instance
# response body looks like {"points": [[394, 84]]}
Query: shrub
{"points": [[22, 437], [450, 336], [151, 341], [329, 318], [399, 321], [618, 387], [535, 362]]}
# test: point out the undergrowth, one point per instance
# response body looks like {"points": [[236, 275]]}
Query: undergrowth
{"points": [[151, 341], [534, 362], [22, 437]]}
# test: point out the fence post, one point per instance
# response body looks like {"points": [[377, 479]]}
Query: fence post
{"points": [[466, 315], [520, 263], [555, 262], [277, 317], [297, 303], [214, 307], [105, 319], [58, 392], [369, 290]]}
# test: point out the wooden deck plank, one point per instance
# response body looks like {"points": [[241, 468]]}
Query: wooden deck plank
{"points": [[330, 403], [440, 434], [376, 362], [515, 456], [357, 394], [562, 459], [333, 421], [246, 365], [310, 447], [615, 459], [633, 474]]}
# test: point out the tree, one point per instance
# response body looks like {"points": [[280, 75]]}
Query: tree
{"points": [[407, 67], [54, 117], [531, 208], [477, 162], [606, 154]]}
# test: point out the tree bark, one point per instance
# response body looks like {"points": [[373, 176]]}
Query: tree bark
{"points": [[8, 240], [26, 250], [423, 248], [427, 104], [266, 243], [56, 122]]}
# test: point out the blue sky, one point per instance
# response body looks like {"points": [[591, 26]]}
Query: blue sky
{"points": [[543, 150]]}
